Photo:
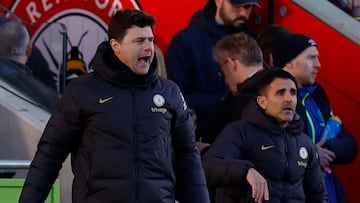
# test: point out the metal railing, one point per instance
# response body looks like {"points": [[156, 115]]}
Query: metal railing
{"points": [[14, 164]]}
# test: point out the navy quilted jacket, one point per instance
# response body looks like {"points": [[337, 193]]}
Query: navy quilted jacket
{"points": [[130, 138], [286, 158]]}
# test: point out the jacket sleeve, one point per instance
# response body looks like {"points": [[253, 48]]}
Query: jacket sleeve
{"points": [[314, 185], [344, 146], [59, 137], [190, 180], [221, 162]]}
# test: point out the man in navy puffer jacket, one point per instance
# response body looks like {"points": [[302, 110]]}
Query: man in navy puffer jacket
{"points": [[267, 150], [129, 132]]}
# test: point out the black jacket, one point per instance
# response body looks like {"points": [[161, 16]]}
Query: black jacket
{"points": [[130, 138], [230, 109], [285, 157], [22, 79]]}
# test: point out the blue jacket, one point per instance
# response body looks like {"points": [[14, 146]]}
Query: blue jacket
{"points": [[189, 62], [130, 137], [344, 145]]}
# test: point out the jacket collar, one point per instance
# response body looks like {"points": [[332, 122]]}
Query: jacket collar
{"points": [[254, 114]]}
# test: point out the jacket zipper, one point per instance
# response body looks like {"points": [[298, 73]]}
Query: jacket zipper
{"points": [[284, 198], [136, 158], [91, 160]]}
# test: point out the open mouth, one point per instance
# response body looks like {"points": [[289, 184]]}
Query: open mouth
{"points": [[144, 60], [288, 109]]}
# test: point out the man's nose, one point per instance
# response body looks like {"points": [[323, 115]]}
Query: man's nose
{"points": [[148, 44], [317, 63], [288, 96], [243, 11]]}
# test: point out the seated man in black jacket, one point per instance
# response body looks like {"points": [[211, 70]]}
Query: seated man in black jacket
{"points": [[267, 150], [14, 52]]}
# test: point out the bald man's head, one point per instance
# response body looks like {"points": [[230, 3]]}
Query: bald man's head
{"points": [[14, 39]]}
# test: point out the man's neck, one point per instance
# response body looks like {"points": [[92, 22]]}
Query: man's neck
{"points": [[249, 72], [254, 71]]}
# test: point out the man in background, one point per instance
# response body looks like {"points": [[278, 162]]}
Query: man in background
{"points": [[299, 55], [189, 57], [266, 151], [241, 61], [14, 51]]}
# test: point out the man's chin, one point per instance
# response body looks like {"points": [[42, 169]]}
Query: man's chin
{"points": [[141, 71], [239, 26]]}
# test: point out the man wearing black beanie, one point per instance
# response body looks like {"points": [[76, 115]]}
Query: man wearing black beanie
{"points": [[298, 54], [288, 47]]}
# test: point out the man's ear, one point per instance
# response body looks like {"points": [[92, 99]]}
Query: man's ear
{"points": [[115, 45], [28, 49], [218, 3], [289, 66], [271, 60], [233, 64], [262, 102]]}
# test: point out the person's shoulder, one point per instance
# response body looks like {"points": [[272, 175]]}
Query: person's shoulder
{"points": [[167, 82], [10, 67], [199, 25], [4, 65], [85, 86], [83, 81], [190, 33], [239, 124], [320, 90], [320, 96]]}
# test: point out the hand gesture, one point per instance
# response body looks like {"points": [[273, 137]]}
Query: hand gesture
{"points": [[325, 155], [260, 190], [201, 145]]}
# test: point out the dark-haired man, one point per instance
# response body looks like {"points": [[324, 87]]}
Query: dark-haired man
{"points": [[129, 132], [267, 150], [189, 57]]}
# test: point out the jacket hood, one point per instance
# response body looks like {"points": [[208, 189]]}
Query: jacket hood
{"points": [[254, 114], [205, 20], [113, 70]]}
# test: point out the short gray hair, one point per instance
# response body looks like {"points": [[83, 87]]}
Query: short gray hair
{"points": [[240, 46], [14, 38]]}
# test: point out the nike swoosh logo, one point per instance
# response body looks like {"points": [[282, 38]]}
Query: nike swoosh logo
{"points": [[102, 101], [267, 147]]}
